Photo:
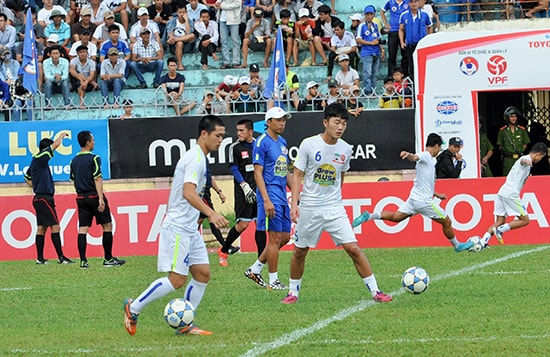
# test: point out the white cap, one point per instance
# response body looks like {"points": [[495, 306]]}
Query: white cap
{"points": [[343, 57], [277, 113], [53, 38], [142, 11], [356, 17], [244, 79], [230, 80], [303, 12], [311, 84]]}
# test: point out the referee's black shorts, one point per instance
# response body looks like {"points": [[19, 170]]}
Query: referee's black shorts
{"points": [[243, 210], [44, 206], [206, 198], [88, 203]]}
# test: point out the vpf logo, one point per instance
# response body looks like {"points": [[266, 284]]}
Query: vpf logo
{"points": [[469, 66], [497, 65]]}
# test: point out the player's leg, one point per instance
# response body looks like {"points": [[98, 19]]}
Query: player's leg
{"points": [[513, 208], [255, 270], [104, 218], [279, 235]]}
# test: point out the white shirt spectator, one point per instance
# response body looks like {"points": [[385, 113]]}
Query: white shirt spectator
{"points": [[347, 79], [92, 49], [101, 32], [44, 15], [151, 25]]}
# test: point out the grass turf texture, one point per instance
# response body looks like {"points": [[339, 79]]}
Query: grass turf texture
{"points": [[497, 309]]}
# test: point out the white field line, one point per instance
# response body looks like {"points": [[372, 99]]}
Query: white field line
{"points": [[288, 338], [15, 289]]}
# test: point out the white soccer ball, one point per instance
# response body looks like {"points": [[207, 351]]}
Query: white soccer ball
{"points": [[179, 313], [415, 280], [478, 244]]}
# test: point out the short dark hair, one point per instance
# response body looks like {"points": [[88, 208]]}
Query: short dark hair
{"points": [[539, 148], [398, 69], [81, 47], [83, 137], [325, 9], [4, 16], [247, 123], [44, 143], [339, 24], [181, 5], [284, 14], [171, 60], [127, 103], [113, 27], [54, 48], [203, 11], [208, 123], [336, 110], [434, 140]]}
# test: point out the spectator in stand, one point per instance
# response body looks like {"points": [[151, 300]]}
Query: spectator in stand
{"points": [[39, 51], [44, 15], [194, 9], [229, 85], [52, 41], [402, 86], [112, 77], [288, 31], [181, 37], [212, 104], [128, 109], [75, 11], [243, 99], [211, 6], [59, 27], [161, 13], [333, 92], [267, 8], [534, 8], [346, 77], [352, 104], [427, 7], [305, 38], [356, 20], [291, 90], [9, 68], [230, 18], [285, 5], [256, 82], [121, 46], [144, 23], [173, 84], [7, 32], [257, 37], [372, 52], [414, 25], [247, 12], [83, 74], [102, 34], [56, 77], [84, 41], [147, 57], [390, 99], [342, 42], [135, 5], [396, 8], [208, 37], [84, 23], [38, 29], [5, 100], [313, 99], [323, 30], [119, 9], [98, 11], [312, 7]]}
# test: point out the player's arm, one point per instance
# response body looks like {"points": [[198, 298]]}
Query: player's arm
{"points": [[297, 178], [218, 190], [260, 184], [409, 156], [58, 141], [98, 181], [190, 195]]}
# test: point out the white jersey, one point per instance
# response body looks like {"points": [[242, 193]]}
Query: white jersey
{"points": [[180, 215], [323, 165], [424, 182], [516, 178]]}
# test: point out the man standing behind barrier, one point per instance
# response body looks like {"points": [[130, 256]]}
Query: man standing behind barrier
{"points": [[39, 177], [396, 8], [270, 158], [90, 200], [512, 139], [414, 25]]}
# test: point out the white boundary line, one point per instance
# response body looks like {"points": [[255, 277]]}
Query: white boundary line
{"points": [[288, 338], [15, 289]]}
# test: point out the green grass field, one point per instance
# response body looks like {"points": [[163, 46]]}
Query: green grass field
{"points": [[493, 303]]}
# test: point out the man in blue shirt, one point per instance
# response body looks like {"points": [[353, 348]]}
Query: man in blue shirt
{"points": [[368, 36], [39, 177], [270, 159], [414, 25], [396, 8]]}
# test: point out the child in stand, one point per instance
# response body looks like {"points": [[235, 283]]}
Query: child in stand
{"points": [[128, 107], [401, 85], [390, 99], [353, 106], [288, 29]]}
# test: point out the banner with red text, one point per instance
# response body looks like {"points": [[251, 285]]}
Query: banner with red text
{"points": [[137, 216]]}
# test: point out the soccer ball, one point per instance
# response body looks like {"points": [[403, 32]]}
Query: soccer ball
{"points": [[478, 244], [415, 280], [179, 313]]}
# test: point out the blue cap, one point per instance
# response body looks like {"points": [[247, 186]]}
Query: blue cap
{"points": [[369, 8]]}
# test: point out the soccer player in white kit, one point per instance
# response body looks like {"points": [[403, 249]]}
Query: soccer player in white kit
{"points": [[508, 202], [181, 247], [322, 162], [421, 199]]}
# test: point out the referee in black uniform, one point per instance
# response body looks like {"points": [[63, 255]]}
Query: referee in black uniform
{"points": [[39, 177], [90, 200], [240, 156]]}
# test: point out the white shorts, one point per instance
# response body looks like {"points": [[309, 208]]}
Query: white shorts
{"points": [[179, 251], [505, 206], [428, 209], [312, 223]]}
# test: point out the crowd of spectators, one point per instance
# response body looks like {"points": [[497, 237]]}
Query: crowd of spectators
{"points": [[87, 45]]}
